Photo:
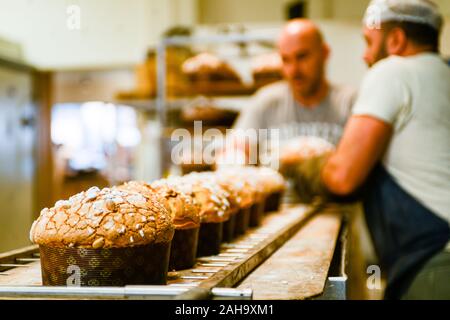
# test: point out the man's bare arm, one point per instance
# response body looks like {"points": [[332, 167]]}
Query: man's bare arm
{"points": [[363, 144]]}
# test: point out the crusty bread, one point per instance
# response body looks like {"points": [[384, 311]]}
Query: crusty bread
{"points": [[229, 190], [269, 63], [108, 218], [183, 208], [271, 180], [240, 189], [254, 183], [209, 114], [247, 176], [213, 201], [304, 147], [206, 65]]}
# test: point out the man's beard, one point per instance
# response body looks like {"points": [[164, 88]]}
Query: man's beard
{"points": [[312, 88], [382, 53]]}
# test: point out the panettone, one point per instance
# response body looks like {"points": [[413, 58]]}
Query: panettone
{"points": [[303, 147], [183, 208], [272, 180], [274, 187], [234, 198], [108, 218], [185, 213], [112, 237], [209, 114], [303, 151], [213, 199], [216, 210], [243, 198], [206, 66], [266, 69], [249, 176]]}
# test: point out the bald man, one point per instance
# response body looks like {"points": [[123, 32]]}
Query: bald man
{"points": [[305, 95]]}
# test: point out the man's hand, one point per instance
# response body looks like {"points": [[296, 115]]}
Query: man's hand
{"points": [[306, 176]]}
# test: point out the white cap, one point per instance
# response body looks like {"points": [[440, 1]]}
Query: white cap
{"points": [[415, 11]]}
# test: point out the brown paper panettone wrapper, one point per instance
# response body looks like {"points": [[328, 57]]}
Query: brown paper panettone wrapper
{"points": [[228, 228], [273, 202], [183, 252], [140, 265], [242, 221], [256, 213], [209, 239]]}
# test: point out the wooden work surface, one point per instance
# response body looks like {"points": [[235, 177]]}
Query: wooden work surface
{"points": [[299, 269]]}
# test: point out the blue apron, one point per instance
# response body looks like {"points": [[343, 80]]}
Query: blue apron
{"points": [[405, 233]]}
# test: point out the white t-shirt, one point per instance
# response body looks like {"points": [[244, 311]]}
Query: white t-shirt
{"points": [[413, 94]]}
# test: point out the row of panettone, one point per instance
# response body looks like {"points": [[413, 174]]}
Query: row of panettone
{"points": [[266, 68], [136, 232]]}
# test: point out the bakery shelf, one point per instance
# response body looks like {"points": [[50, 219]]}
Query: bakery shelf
{"points": [[226, 95]]}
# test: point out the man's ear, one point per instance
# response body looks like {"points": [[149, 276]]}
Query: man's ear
{"points": [[396, 42], [326, 51]]}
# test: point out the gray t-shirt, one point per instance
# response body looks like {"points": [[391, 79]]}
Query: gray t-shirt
{"points": [[274, 107]]}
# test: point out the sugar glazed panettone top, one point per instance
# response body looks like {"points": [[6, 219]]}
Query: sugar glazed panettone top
{"points": [[232, 191], [250, 178], [269, 179], [304, 147], [245, 193], [108, 218], [215, 207], [183, 208]]}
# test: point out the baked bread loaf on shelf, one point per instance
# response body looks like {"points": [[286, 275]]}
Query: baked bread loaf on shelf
{"points": [[206, 66], [266, 69], [209, 114]]}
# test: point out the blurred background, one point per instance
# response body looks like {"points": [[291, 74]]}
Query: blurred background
{"points": [[89, 87]]}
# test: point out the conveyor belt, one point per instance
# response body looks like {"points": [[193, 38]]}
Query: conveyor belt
{"points": [[20, 270]]}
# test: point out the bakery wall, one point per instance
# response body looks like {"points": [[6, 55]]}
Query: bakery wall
{"points": [[238, 11], [217, 11], [112, 32], [17, 162], [241, 11]]}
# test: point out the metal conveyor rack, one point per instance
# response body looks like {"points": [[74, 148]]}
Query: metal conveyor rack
{"points": [[212, 277]]}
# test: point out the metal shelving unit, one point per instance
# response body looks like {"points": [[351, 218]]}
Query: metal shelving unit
{"points": [[163, 104]]}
